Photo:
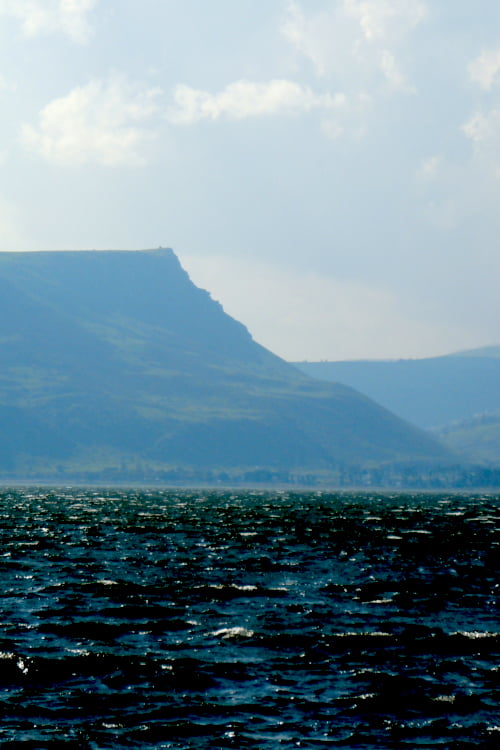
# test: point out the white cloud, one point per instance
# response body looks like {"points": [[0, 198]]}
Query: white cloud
{"points": [[392, 72], [243, 99], [344, 36], [484, 69], [100, 123], [348, 120], [325, 38], [484, 132], [355, 40], [481, 128], [429, 169], [308, 35], [69, 17], [387, 20]]}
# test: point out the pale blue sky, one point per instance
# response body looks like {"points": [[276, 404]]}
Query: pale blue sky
{"points": [[328, 169]]}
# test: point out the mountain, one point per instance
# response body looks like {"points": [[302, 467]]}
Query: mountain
{"points": [[476, 439], [426, 392], [488, 352], [115, 362]]}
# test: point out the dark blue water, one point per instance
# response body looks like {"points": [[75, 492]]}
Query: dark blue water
{"points": [[150, 619]]}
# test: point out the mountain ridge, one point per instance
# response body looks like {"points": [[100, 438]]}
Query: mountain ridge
{"points": [[429, 392], [115, 358]]}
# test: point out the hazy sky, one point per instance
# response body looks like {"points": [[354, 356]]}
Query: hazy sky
{"points": [[328, 169]]}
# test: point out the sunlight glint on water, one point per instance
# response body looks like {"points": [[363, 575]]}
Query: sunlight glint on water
{"points": [[214, 620]]}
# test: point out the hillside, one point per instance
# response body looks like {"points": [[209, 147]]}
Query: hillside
{"points": [[477, 439], [115, 362], [427, 392]]}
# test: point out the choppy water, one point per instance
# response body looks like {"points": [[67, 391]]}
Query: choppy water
{"points": [[248, 620]]}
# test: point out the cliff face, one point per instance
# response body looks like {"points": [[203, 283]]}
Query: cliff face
{"points": [[107, 358]]}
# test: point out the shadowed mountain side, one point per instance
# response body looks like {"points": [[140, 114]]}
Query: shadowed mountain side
{"points": [[113, 357], [427, 392]]}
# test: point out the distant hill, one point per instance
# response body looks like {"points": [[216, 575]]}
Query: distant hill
{"points": [[427, 392], [490, 352], [476, 439], [115, 364]]}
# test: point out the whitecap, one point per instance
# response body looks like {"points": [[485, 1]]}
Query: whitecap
{"points": [[245, 588], [237, 632], [445, 699]]}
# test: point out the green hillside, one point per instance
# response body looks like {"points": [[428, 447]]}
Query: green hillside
{"points": [[115, 361], [426, 392], [477, 438]]}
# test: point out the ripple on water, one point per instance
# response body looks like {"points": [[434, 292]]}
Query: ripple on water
{"points": [[202, 620]]}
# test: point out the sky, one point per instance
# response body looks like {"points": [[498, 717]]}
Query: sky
{"points": [[329, 170]]}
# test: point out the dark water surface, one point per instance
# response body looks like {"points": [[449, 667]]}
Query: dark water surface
{"points": [[161, 619]]}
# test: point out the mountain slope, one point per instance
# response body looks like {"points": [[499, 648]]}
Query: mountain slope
{"points": [[117, 359], [427, 392], [477, 439]]}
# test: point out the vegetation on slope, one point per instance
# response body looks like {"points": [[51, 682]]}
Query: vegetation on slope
{"points": [[116, 360], [427, 392]]}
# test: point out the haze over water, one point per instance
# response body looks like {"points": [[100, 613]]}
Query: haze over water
{"points": [[189, 619]]}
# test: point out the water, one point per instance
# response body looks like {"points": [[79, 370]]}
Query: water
{"points": [[158, 619]]}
